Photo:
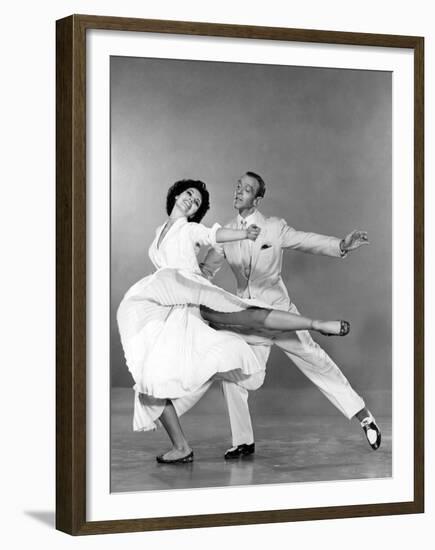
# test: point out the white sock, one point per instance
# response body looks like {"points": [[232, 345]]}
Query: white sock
{"points": [[367, 419]]}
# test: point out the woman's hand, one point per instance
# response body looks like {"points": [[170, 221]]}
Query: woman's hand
{"points": [[252, 232]]}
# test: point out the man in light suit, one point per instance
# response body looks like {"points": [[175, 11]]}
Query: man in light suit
{"points": [[257, 268]]}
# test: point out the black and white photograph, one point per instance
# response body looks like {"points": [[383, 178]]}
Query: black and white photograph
{"points": [[250, 274], [215, 279]]}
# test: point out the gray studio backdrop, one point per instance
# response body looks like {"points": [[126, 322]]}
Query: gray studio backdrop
{"points": [[321, 139]]}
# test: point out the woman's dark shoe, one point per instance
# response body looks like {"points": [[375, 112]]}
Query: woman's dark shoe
{"points": [[344, 329], [183, 460]]}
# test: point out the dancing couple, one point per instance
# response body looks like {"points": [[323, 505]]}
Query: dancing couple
{"points": [[180, 332]]}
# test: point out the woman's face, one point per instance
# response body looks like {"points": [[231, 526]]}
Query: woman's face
{"points": [[189, 201]]}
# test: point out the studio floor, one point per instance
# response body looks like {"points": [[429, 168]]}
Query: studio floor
{"points": [[299, 437]]}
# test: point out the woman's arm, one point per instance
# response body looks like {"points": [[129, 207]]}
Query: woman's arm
{"points": [[226, 235]]}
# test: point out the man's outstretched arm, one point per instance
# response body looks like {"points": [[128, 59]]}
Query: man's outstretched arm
{"points": [[315, 243]]}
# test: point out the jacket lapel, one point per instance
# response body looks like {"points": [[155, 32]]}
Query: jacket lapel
{"points": [[256, 247]]}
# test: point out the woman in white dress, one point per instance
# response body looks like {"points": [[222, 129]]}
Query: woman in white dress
{"points": [[170, 349]]}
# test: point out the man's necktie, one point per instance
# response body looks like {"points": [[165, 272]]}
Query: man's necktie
{"points": [[245, 251]]}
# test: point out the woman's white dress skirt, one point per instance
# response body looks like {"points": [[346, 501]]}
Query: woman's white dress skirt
{"points": [[170, 351]]}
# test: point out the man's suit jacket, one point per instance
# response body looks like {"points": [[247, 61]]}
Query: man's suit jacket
{"points": [[265, 282]]}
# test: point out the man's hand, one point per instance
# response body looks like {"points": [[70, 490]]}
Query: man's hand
{"points": [[252, 232], [353, 241]]}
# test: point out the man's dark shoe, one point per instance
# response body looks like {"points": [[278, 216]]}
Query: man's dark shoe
{"points": [[372, 432], [240, 451]]}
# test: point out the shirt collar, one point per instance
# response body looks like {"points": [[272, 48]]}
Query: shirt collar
{"points": [[179, 221], [251, 219]]}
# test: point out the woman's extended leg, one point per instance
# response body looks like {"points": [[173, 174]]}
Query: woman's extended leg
{"points": [[181, 451], [273, 319]]}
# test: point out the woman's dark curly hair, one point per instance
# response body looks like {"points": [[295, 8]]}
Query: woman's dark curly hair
{"points": [[182, 185]]}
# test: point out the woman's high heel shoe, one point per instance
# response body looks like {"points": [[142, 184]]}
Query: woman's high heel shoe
{"points": [[344, 329]]}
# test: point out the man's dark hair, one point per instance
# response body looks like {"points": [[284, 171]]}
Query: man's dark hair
{"points": [[182, 185], [262, 186]]}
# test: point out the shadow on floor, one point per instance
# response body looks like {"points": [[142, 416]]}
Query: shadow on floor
{"points": [[46, 517]]}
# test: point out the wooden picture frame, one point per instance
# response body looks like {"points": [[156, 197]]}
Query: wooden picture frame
{"points": [[71, 273]]}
